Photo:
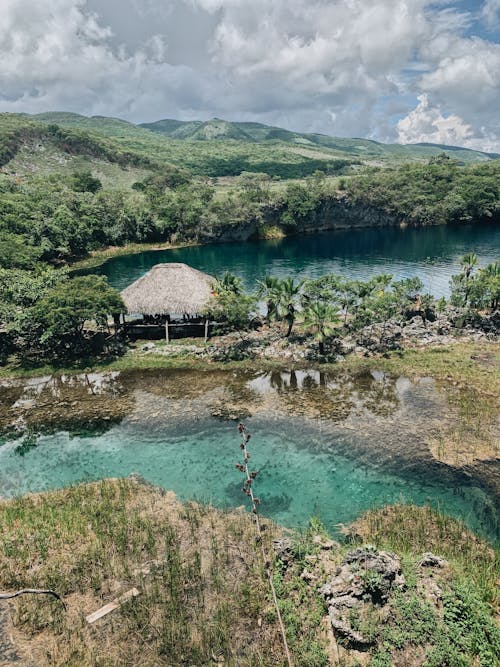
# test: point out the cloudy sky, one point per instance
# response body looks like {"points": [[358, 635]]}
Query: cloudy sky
{"points": [[392, 70]]}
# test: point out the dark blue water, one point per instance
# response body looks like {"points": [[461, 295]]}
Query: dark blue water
{"points": [[432, 253]]}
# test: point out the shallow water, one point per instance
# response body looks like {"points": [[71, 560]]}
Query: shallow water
{"points": [[317, 460], [432, 253]]}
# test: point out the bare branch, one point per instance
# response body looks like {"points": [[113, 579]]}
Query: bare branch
{"points": [[32, 591]]}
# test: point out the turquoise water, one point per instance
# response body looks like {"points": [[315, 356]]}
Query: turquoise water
{"points": [[307, 466], [432, 253]]}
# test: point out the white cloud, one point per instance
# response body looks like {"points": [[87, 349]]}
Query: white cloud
{"points": [[490, 13], [427, 124], [318, 65]]}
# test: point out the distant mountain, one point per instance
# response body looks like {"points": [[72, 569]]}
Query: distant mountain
{"points": [[217, 129], [121, 151]]}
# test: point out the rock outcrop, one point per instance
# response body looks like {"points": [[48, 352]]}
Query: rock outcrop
{"points": [[366, 578]]}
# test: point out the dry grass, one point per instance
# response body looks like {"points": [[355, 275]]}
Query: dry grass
{"points": [[203, 601]]}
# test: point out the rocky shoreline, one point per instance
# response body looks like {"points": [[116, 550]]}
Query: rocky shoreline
{"points": [[268, 342]]}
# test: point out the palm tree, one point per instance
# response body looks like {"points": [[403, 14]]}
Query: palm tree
{"points": [[288, 292], [489, 284], [468, 262], [322, 318], [228, 283], [345, 292], [269, 290]]}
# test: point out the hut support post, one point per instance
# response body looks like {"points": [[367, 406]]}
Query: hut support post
{"points": [[206, 330], [167, 337]]}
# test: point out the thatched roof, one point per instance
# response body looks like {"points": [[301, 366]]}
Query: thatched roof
{"points": [[169, 288]]}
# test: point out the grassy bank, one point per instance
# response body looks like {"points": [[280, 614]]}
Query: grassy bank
{"points": [[469, 365], [98, 257], [203, 596]]}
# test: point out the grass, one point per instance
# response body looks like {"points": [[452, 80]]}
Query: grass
{"points": [[203, 594], [462, 366], [47, 160], [201, 581]]}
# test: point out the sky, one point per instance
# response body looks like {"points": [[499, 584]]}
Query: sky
{"points": [[392, 70]]}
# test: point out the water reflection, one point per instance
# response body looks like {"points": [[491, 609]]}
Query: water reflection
{"points": [[329, 443]]}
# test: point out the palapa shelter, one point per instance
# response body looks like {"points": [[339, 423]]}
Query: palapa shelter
{"points": [[169, 295]]}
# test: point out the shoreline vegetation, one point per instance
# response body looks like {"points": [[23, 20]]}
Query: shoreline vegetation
{"points": [[99, 257]]}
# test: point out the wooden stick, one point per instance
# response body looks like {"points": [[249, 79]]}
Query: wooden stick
{"points": [[32, 591], [103, 611], [166, 332]]}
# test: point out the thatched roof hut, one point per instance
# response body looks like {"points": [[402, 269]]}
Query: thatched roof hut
{"points": [[169, 289]]}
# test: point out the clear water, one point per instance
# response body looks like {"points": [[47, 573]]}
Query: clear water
{"points": [[334, 470], [432, 253]]}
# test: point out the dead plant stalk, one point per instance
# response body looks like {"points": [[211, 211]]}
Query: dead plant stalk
{"points": [[248, 490]]}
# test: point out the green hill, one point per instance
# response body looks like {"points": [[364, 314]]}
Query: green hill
{"points": [[61, 143], [55, 141], [137, 146], [362, 148]]}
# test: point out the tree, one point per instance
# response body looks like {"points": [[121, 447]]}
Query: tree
{"points": [[410, 300], [254, 186], [461, 283], [230, 307], [299, 204], [288, 292], [83, 181], [231, 311], [322, 318], [16, 252], [268, 289], [54, 326], [369, 300], [484, 292], [228, 283], [468, 263]]}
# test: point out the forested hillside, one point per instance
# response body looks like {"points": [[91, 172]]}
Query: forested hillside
{"points": [[63, 213]]}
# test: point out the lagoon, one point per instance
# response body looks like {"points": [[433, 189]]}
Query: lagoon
{"points": [[432, 253]]}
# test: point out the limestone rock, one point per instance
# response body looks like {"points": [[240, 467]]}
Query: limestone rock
{"points": [[430, 560], [283, 549], [365, 578]]}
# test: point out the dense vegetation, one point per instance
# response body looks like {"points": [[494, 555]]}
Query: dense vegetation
{"points": [[47, 315], [437, 193], [60, 218], [332, 305]]}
